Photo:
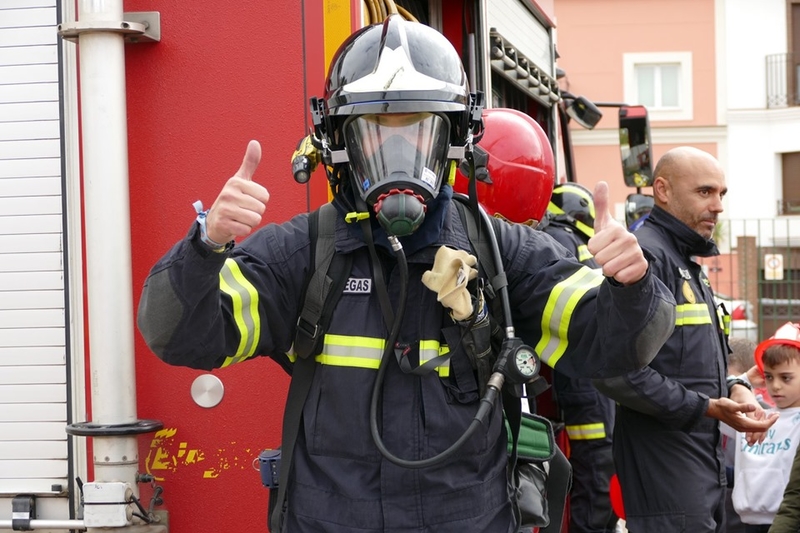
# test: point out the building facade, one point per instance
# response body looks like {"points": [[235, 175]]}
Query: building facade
{"points": [[720, 75]]}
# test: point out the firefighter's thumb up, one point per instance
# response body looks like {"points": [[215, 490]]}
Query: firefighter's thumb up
{"points": [[614, 248], [238, 209]]}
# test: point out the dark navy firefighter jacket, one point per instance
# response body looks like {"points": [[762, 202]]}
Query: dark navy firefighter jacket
{"points": [[667, 453], [208, 310]]}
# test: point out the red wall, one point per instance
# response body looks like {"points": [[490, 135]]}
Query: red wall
{"points": [[223, 73]]}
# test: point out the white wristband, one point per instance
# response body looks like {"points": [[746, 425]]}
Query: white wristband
{"points": [[204, 238]]}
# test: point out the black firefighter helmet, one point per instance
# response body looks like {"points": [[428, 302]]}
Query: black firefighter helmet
{"points": [[396, 111], [573, 204]]}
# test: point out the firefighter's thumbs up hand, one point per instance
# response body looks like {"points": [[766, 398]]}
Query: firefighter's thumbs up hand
{"points": [[613, 246], [241, 202]]}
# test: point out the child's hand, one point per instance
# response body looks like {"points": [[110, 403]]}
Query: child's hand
{"points": [[755, 378]]}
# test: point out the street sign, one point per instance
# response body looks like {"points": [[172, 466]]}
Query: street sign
{"points": [[773, 267]]}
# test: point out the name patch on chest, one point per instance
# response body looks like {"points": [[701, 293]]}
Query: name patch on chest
{"points": [[358, 286]]}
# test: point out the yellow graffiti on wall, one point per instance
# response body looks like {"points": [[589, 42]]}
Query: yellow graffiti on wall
{"points": [[167, 453]]}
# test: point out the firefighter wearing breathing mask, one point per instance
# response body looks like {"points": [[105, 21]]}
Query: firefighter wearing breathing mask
{"points": [[396, 118]]}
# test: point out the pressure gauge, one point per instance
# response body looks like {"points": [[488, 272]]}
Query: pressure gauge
{"points": [[525, 363]]}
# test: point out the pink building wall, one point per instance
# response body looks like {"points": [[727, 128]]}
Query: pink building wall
{"points": [[593, 35]]}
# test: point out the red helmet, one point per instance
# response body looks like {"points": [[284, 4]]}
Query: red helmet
{"points": [[788, 334], [521, 167]]}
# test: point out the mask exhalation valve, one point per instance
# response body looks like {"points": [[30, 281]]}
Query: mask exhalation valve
{"points": [[400, 212]]}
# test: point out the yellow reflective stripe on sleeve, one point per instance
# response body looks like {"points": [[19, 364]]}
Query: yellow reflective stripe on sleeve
{"points": [[557, 313], [586, 431], [583, 253], [244, 297], [692, 315]]}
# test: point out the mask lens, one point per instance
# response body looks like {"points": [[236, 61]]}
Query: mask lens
{"points": [[397, 151]]}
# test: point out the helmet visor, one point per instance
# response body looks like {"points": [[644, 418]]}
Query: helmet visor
{"points": [[397, 151]]}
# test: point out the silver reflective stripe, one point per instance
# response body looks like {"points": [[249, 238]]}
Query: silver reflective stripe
{"points": [[244, 298], [558, 312], [358, 352], [366, 352], [692, 315], [587, 431], [583, 253], [431, 351]]}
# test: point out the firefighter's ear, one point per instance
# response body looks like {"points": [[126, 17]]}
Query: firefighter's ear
{"points": [[661, 189]]}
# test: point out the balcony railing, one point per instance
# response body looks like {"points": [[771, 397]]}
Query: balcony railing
{"points": [[783, 72], [789, 207]]}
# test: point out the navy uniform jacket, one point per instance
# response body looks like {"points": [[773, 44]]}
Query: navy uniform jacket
{"points": [[588, 418], [577, 391], [207, 310], [667, 453]]}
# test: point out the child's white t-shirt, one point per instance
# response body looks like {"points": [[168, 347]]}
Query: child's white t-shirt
{"points": [[761, 471]]}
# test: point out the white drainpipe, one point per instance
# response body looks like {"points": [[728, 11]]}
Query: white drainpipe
{"points": [[104, 133], [100, 34]]}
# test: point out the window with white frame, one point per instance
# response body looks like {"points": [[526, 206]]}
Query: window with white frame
{"points": [[662, 82]]}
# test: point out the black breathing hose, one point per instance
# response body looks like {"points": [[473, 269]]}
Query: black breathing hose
{"points": [[487, 401], [498, 260]]}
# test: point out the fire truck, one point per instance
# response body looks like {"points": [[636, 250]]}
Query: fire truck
{"points": [[148, 111]]}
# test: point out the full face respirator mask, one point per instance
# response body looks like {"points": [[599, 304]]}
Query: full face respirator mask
{"points": [[397, 162]]}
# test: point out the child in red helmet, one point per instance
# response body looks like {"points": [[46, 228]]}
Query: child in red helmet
{"points": [[761, 471]]}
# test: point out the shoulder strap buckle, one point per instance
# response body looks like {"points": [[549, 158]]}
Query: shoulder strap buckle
{"points": [[306, 337]]}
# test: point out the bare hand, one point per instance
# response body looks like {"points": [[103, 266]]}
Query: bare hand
{"points": [[749, 418], [241, 202], [743, 395], [615, 248]]}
